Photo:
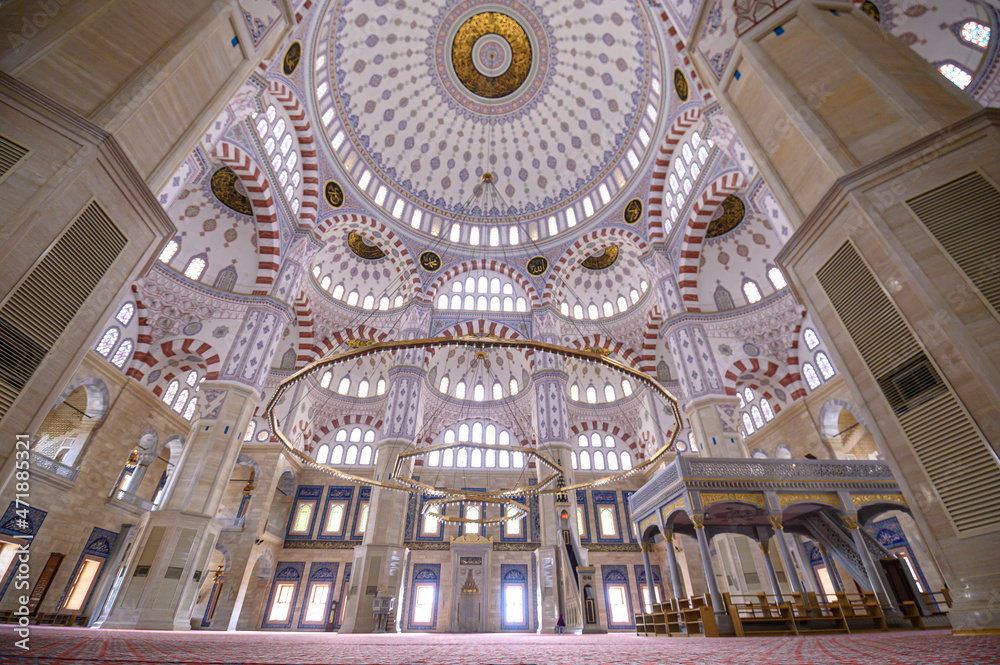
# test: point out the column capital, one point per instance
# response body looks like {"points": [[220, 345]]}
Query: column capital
{"points": [[775, 521], [699, 520]]}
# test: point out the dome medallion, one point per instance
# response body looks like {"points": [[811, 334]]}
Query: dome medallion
{"points": [[419, 99]]}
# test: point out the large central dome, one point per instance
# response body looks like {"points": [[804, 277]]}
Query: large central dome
{"points": [[550, 99]]}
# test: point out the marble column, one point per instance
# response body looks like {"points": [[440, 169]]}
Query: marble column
{"points": [[650, 585], [786, 558], [872, 568], [831, 569], [706, 559], [772, 576]]}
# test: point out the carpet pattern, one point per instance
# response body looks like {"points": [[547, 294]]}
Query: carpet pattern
{"points": [[59, 646]]}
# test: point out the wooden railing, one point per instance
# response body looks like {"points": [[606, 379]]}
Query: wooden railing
{"points": [[689, 616]]}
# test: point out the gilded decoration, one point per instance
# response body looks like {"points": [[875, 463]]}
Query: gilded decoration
{"points": [[733, 212], [358, 246], [676, 505], [633, 211], [321, 544], [681, 85], [861, 499], [709, 499], [599, 350], [290, 62], [491, 55], [360, 343], [785, 500], [334, 194], [470, 560], [775, 521], [871, 9], [427, 545], [224, 183], [430, 261], [602, 261], [614, 547], [515, 547], [538, 265]]}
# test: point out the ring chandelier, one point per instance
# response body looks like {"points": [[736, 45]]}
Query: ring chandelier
{"points": [[400, 480]]}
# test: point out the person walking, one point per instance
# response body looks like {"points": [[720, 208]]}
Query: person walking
{"points": [[561, 625]]}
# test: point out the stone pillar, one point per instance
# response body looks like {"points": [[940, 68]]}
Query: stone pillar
{"points": [[772, 576], [143, 461], [175, 542], [650, 585], [786, 557], [805, 565], [872, 568], [831, 568], [675, 573], [378, 566], [716, 436], [706, 559]]}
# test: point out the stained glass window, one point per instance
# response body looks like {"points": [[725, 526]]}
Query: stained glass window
{"points": [[688, 153], [747, 424], [581, 523], [271, 113], [122, 354], [824, 364], [757, 419], [809, 372], [181, 400], [192, 378], [362, 519], [607, 519], [976, 33], [777, 278], [811, 338], [124, 314], [168, 397], [302, 517], [956, 75], [748, 394], [335, 520], [751, 291], [107, 342], [195, 267], [189, 411], [250, 430], [765, 406], [286, 143], [169, 250]]}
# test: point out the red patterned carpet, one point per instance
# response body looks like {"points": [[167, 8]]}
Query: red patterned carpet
{"points": [[79, 645]]}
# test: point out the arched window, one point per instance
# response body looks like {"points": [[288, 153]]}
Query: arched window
{"points": [[181, 400], [325, 381], [606, 516], [591, 395], [189, 411], [583, 441], [380, 387], [479, 392], [573, 459], [107, 341], [497, 390], [366, 456], [626, 387], [325, 283], [192, 378], [124, 314], [723, 299], [476, 458], [352, 455], [434, 458], [975, 33], [460, 390], [609, 441], [168, 396], [472, 513], [363, 388], [609, 392], [584, 460], [776, 277], [345, 386], [195, 267], [338, 454], [574, 392], [765, 407], [758, 421], [169, 250], [443, 386], [811, 338], [748, 394], [956, 74], [626, 459], [599, 460], [513, 386], [751, 291], [747, 423], [612, 461], [812, 379], [122, 354], [250, 430], [825, 366], [595, 440], [323, 454]]}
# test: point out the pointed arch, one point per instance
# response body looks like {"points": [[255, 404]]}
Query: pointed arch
{"points": [[210, 361], [479, 327], [143, 339], [265, 212], [576, 249], [341, 421], [661, 168], [382, 232], [307, 148], [491, 265], [694, 233], [764, 374], [598, 341], [650, 336]]}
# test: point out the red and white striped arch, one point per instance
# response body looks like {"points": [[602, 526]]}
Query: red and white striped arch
{"points": [[354, 220], [575, 253], [694, 233], [339, 422], [307, 149], [491, 265], [661, 168], [763, 373], [480, 327], [629, 355], [262, 200], [143, 339], [211, 362], [704, 92], [650, 337]]}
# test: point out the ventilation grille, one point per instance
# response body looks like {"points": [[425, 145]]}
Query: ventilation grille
{"points": [[43, 304], [957, 460], [10, 154], [964, 216]]}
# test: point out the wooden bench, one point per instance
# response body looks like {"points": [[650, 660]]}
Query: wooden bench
{"points": [[689, 616], [759, 615], [862, 611]]}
